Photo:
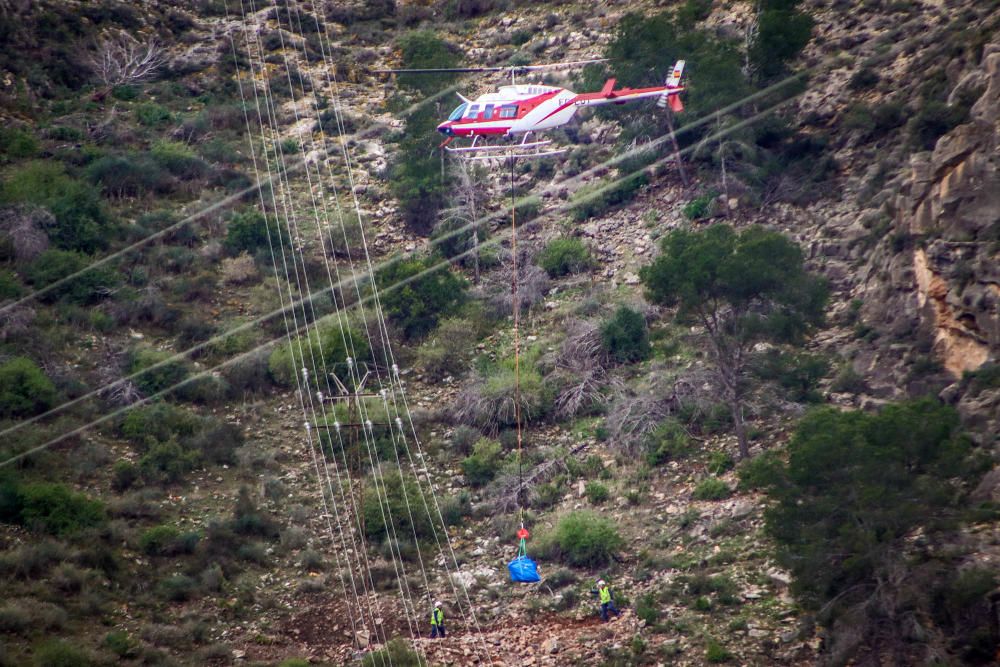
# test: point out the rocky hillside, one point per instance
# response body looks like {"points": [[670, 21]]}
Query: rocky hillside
{"points": [[200, 200]]}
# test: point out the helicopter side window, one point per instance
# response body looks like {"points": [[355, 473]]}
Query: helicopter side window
{"points": [[488, 112], [457, 113], [508, 111], [473, 111]]}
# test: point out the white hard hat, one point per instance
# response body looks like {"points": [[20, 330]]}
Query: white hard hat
{"points": [[600, 582], [438, 603]]}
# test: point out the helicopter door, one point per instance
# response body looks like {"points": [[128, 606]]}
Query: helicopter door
{"points": [[508, 111], [473, 112], [488, 112]]}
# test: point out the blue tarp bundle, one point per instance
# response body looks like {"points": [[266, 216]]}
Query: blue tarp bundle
{"points": [[523, 570]]}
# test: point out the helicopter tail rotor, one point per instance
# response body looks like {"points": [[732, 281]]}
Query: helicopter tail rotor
{"points": [[671, 97]]}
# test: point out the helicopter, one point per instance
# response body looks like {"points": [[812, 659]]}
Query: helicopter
{"points": [[520, 110]]}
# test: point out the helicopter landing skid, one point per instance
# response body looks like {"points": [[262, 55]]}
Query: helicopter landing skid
{"points": [[522, 149]]}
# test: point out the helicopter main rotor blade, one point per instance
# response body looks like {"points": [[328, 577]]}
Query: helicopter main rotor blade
{"points": [[572, 63], [517, 69], [438, 70]]}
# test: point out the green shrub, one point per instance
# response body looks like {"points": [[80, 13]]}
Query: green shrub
{"points": [[700, 207], [10, 286], [592, 203], [481, 467], [129, 175], [55, 509], [167, 541], [416, 294], [582, 539], [423, 49], [152, 115], [85, 289], [179, 160], [455, 508], [625, 337], [716, 652], [15, 618], [217, 442], [847, 380], [711, 488], [152, 380], [564, 256], [24, 389], [646, 609], [463, 438], [16, 144], [58, 653], [166, 462], [124, 475], [80, 220], [667, 442], [249, 231], [396, 652], [160, 421], [177, 588], [854, 491], [864, 77], [782, 32], [445, 352], [325, 343], [399, 492], [720, 462], [797, 372], [983, 378], [597, 493], [488, 400], [119, 643], [248, 519], [933, 120]]}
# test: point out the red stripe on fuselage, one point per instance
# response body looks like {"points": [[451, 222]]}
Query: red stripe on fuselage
{"points": [[470, 129]]}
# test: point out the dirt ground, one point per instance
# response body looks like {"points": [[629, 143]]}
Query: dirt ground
{"points": [[322, 633]]}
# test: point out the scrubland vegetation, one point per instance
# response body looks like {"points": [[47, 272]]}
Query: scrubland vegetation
{"points": [[174, 374]]}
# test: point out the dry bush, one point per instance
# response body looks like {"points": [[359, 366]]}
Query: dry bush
{"points": [[123, 60], [487, 400], [24, 226], [579, 374], [118, 392], [240, 270], [15, 322], [635, 413], [532, 285]]}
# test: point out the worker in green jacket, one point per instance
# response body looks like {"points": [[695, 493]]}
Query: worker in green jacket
{"points": [[437, 620], [607, 599]]}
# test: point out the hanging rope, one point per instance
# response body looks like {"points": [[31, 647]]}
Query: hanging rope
{"points": [[516, 306]]}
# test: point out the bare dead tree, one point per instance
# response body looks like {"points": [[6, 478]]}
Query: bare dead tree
{"points": [[24, 226], [468, 196], [125, 60], [119, 393]]}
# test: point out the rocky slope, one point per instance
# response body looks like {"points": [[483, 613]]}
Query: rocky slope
{"points": [[911, 251]]}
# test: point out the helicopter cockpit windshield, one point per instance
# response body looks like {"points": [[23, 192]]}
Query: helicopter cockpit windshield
{"points": [[457, 113]]}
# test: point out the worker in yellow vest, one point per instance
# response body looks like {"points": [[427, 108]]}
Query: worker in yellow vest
{"points": [[437, 620], [607, 599]]}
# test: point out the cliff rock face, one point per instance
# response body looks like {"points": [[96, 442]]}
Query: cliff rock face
{"points": [[937, 276]]}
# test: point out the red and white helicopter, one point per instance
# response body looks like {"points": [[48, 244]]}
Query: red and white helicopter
{"points": [[518, 110]]}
